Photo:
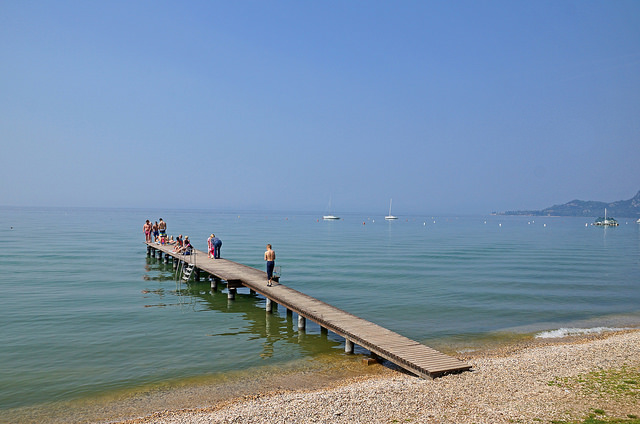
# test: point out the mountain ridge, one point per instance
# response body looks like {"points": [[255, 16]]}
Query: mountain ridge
{"points": [[621, 208]]}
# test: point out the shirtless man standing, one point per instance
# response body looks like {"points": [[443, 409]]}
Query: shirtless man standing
{"points": [[146, 228], [162, 227], [270, 257]]}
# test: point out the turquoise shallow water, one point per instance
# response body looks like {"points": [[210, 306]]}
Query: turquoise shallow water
{"points": [[85, 313]]}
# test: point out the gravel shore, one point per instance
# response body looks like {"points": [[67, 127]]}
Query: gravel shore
{"points": [[531, 384]]}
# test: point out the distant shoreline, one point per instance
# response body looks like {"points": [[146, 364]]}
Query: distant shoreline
{"points": [[529, 382], [585, 209]]}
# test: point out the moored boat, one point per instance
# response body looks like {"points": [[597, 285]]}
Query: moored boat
{"points": [[390, 217], [606, 222]]}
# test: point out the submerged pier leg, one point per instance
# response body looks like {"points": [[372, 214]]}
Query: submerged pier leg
{"points": [[231, 295], [214, 283], [302, 323], [196, 274], [348, 346], [148, 251], [175, 263], [166, 258], [269, 305]]}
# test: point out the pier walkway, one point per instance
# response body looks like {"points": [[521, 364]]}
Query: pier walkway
{"points": [[402, 351]]}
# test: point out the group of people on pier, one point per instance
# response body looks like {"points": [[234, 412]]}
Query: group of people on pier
{"points": [[154, 231], [157, 232]]}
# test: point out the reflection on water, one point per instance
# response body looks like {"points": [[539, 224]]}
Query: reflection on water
{"points": [[270, 329], [90, 319], [318, 357]]}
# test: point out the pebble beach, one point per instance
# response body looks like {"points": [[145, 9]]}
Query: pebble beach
{"points": [[532, 383]]}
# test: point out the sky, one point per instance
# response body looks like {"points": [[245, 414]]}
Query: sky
{"points": [[462, 107]]}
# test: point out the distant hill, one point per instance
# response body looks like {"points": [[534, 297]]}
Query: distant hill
{"points": [[620, 209]]}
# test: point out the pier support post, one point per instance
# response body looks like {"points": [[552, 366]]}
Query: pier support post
{"points": [[289, 313], [196, 274], [214, 284], [269, 305], [148, 251], [324, 332], [175, 263], [252, 291], [160, 254], [348, 346], [166, 258], [302, 323], [231, 295]]}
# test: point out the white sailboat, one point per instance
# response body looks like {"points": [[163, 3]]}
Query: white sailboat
{"points": [[606, 222], [390, 217], [330, 217]]}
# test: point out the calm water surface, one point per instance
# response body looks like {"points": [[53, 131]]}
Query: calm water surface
{"points": [[86, 315]]}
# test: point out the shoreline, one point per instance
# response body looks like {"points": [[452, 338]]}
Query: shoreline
{"points": [[533, 381]]}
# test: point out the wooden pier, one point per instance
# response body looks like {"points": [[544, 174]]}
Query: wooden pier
{"points": [[402, 351]]}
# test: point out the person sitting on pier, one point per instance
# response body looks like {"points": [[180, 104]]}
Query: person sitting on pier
{"points": [[186, 247], [178, 245]]}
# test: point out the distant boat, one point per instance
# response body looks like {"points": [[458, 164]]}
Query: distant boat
{"points": [[638, 221], [390, 217], [606, 222], [330, 217]]}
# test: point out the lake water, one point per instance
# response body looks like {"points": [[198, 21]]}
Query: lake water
{"points": [[91, 325]]}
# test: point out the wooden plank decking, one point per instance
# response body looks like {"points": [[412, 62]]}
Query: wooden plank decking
{"points": [[402, 351]]}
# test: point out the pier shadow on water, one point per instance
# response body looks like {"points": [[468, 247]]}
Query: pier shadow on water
{"points": [[271, 328]]}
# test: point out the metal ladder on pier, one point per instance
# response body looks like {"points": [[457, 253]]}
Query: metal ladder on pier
{"points": [[187, 271]]}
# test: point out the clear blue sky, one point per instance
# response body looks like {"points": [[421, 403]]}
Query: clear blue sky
{"points": [[444, 106]]}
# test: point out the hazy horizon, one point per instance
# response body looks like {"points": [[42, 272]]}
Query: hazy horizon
{"points": [[446, 107]]}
